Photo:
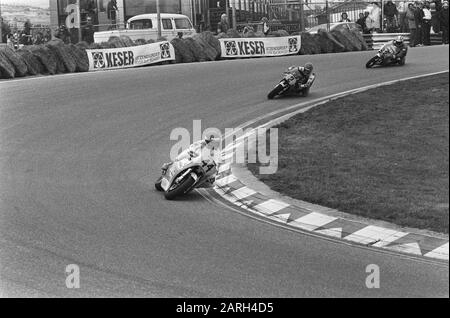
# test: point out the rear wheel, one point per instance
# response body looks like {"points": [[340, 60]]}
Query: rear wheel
{"points": [[402, 61], [305, 92], [371, 62], [180, 189], [275, 91]]}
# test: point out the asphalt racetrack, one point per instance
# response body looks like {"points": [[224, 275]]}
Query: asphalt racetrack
{"points": [[79, 152]]}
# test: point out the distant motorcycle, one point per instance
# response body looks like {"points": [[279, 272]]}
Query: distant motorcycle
{"points": [[287, 85], [189, 171], [384, 57]]}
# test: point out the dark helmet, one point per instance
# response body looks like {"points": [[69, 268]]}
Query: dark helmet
{"points": [[398, 41], [308, 67]]}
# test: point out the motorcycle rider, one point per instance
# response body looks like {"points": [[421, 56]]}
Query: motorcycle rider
{"points": [[304, 76], [204, 148], [398, 49]]}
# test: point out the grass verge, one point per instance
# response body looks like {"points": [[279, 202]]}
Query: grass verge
{"points": [[381, 154]]}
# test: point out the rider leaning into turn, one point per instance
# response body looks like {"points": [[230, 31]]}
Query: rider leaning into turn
{"points": [[303, 74], [399, 48]]}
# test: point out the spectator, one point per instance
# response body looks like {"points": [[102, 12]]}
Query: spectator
{"points": [[344, 17], [63, 34], [402, 21], [412, 26], [367, 22], [362, 22], [426, 23], [419, 23], [111, 10], [6, 31], [25, 36], [223, 26], [265, 26], [443, 17], [373, 21], [391, 15], [88, 31]]}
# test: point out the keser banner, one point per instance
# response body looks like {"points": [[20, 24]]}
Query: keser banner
{"points": [[251, 47], [124, 57]]}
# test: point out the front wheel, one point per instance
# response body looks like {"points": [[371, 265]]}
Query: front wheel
{"points": [[180, 188], [371, 62], [275, 91]]}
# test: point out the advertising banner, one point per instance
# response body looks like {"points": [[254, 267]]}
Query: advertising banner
{"points": [[252, 47], [124, 57]]}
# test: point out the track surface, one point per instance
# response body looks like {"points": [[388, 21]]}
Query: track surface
{"points": [[77, 157]]}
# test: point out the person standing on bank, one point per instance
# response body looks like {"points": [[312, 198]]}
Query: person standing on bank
{"points": [[111, 10], [223, 26]]}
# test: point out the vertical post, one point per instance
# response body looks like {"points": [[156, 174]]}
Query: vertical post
{"points": [[382, 16], [328, 16], [1, 23], [158, 19], [79, 20], [301, 13], [233, 11], [227, 9]]}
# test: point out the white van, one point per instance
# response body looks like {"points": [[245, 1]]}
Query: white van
{"points": [[144, 26]]}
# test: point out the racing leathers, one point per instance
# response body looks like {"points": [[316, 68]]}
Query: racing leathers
{"points": [[303, 77], [398, 52]]}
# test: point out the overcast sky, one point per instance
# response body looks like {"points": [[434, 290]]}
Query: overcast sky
{"points": [[34, 3]]}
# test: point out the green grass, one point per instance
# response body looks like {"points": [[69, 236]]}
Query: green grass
{"points": [[382, 154]]}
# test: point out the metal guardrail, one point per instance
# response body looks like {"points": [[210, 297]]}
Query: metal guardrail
{"points": [[376, 40]]}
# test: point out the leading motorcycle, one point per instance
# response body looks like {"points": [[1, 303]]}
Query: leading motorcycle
{"points": [[287, 84], [190, 170]]}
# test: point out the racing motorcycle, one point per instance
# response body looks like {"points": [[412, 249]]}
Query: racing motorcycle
{"points": [[384, 58], [287, 85], [189, 171]]}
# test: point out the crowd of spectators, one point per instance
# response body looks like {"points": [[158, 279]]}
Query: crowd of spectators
{"points": [[417, 18]]}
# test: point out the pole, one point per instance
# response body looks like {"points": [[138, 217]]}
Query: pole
{"points": [[233, 8], [1, 23], [79, 20], [302, 24], [328, 16], [158, 19], [382, 16]]}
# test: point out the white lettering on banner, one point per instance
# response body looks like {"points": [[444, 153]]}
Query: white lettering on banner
{"points": [[249, 47], [103, 59], [73, 16]]}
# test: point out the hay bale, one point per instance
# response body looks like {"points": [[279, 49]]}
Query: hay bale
{"points": [[80, 57], [361, 40], [6, 68], [309, 45], [196, 49], [127, 40], [356, 46], [63, 57], [232, 33], [44, 56], [328, 44], [212, 41], [150, 41], [279, 33], [183, 51], [33, 65], [82, 45], [340, 37], [140, 42], [15, 59], [209, 51]]}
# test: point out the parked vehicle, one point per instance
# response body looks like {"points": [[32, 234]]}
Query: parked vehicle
{"points": [[145, 26], [337, 26]]}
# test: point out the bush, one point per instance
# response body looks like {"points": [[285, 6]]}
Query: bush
{"points": [[127, 41], [278, 33], [212, 41], [6, 67], [341, 38], [309, 44], [328, 44], [232, 33], [15, 59], [361, 40]]}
